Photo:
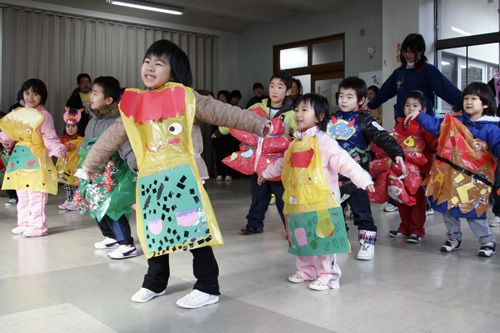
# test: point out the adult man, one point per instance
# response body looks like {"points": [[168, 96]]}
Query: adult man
{"points": [[80, 97]]}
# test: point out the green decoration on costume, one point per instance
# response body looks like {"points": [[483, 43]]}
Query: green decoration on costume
{"points": [[21, 158], [304, 240]]}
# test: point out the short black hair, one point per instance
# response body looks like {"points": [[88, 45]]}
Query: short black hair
{"points": [[418, 95], [353, 82], [81, 76], [178, 60], [374, 88], [299, 84], [225, 93], [38, 86], [235, 93], [484, 93], [110, 87], [205, 92], [320, 105], [285, 77], [416, 43], [257, 85]]}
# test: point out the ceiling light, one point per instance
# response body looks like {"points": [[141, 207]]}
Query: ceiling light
{"points": [[146, 5], [460, 31]]}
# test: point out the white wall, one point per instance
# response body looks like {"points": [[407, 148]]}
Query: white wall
{"points": [[255, 44]]}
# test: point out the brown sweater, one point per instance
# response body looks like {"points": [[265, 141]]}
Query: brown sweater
{"points": [[208, 110]]}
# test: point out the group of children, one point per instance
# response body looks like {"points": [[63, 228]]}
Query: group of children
{"points": [[173, 211]]}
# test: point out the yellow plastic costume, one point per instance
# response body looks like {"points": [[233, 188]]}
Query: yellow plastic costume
{"points": [[315, 222], [66, 170], [173, 209], [29, 167]]}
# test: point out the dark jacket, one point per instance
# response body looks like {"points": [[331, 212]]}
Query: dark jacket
{"points": [[75, 102]]}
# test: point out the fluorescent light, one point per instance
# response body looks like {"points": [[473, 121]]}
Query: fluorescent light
{"points": [[460, 31], [445, 63], [146, 5]]}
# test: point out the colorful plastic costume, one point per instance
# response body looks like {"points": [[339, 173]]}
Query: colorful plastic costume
{"points": [[66, 170], [315, 222], [113, 191], [463, 172], [173, 209], [391, 182], [29, 166], [257, 153]]}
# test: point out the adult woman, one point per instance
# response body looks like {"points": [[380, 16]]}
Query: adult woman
{"points": [[415, 74]]}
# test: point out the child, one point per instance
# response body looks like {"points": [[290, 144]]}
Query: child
{"points": [[354, 128], [376, 113], [30, 170], [278, 104], [7, 148], [112, 215], [311, 117], [164, 65], [413, 217], [72, 140], [459, 185]]}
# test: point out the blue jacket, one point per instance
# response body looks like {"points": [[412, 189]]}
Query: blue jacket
{"points": [[485, 129], [428, 79]]}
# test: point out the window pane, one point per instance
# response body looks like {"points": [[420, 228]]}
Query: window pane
{"points": [[324, 53], [293, 58], [328, 88], [456, 17]]}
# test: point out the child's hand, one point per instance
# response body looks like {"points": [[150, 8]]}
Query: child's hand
{"points": [[62, 155], [261, 180], [267, 130], [411, 116], [71, 147], [92, 175], [370, 188], [401, 162]]}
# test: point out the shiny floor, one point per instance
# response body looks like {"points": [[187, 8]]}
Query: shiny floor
{"points": [[59, 283]]}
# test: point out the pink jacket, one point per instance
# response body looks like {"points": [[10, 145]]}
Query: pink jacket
{"points": [[334, 159], [46, 131]]}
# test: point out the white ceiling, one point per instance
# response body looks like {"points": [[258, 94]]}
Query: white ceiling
{"points": [[223, 15]]}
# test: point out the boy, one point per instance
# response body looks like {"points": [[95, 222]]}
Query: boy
{"points": [[354, 128], [104, 103], [278, 104]]}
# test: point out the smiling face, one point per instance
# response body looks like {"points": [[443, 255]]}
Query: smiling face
{"points": [[155, 72], [305, 116], [31, 98], [474, 106], [348, 100]]}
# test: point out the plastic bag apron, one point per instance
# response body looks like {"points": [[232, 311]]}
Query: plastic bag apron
{"points": [[173, 209], [29, 167], [463, 171], [315, 221], [66, 170]]}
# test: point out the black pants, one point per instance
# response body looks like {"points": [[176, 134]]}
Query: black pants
{"points": [[205, 270], [119, 230], [261, 196], [12, 194]]}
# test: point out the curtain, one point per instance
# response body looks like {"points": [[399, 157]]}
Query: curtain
{"points": [[57, 48]]}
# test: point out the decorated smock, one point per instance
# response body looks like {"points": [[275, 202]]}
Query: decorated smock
{"points": [[66, 170], [30, 167], [173, 209]]}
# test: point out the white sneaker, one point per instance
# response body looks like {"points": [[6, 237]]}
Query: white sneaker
{"points": [[197, 299], [19, 230], [107, 243], [228, 178], [495, 222], [429, 211], [219, 177], [390, 208], [366, 252], [145, 295], [123, 252]]}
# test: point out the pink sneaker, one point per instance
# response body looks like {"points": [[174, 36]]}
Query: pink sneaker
{"points": [[64, 205], [73, 206]]}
